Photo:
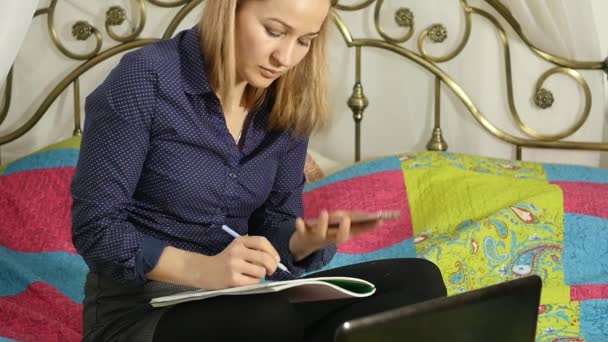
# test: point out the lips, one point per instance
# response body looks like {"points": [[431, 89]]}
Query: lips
{"points": [[269, 73]]}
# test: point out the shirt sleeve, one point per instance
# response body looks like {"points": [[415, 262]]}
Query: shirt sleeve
{"points": [[276, 218], [114, 146]]}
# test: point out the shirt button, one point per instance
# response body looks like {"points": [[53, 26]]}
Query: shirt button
{"points": [[232, 175]]}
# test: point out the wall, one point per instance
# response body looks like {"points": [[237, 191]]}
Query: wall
{"points": [[602, 27], [399, 117]]}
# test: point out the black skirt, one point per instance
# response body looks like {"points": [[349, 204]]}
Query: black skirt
{"points": [[117, 312]]}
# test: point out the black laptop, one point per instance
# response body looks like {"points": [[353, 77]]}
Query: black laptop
{"points": [[506, 312]]}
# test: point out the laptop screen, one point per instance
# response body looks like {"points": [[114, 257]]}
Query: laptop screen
{"points": [[505, 312]]}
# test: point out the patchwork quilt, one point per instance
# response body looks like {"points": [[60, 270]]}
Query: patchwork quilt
{"points": [[481, 220], [484, 221]]}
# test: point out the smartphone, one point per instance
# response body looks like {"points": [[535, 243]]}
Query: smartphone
{"points": [[360, 217]]}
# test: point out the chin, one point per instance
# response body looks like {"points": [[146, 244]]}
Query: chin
{"points": [[260, 82]]}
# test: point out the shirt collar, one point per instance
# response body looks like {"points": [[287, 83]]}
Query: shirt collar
{"points": [[194, 75]]}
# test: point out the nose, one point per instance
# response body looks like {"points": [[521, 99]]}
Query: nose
{"points": [[283, 55]]}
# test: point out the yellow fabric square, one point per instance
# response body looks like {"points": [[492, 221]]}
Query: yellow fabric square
{"points": [[484, 221]]}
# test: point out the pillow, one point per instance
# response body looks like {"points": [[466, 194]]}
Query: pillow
{"points": [[326, 165], [41, 276], [312, 170]]}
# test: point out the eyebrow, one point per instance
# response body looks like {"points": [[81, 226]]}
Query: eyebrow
{"points": [[289, 27]]}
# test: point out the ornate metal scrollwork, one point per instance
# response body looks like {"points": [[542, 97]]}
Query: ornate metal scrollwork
{"points": [[404, 17], [544, 98], [115, 16], [169, 4], [82, 30], [438, 33]]}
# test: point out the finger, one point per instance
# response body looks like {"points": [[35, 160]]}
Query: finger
{"points": [[261, 244], [358, 228], [335, 218], [251, 269], [320, 230], [262, 259], [343, 233], [240, 279], [300, 226]]}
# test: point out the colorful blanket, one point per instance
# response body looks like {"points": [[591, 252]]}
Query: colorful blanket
{"points": [[41, 276], [481, 220], [484, 221]]}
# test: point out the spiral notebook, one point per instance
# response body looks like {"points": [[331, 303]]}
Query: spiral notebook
{"points": [[298, 290]]}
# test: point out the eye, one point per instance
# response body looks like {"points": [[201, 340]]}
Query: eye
{"points": [[273, 33], [305, 43]]}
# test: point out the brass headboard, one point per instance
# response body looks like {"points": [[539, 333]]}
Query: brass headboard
{"points": [[358, 103]]}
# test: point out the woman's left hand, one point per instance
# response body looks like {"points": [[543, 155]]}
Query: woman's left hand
{"points": [[309, 238]]}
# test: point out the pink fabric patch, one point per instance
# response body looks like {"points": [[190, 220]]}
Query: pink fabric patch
{"points": [[35, 207], [40, 313], [379, 191], [588, 292], [585, 198]]}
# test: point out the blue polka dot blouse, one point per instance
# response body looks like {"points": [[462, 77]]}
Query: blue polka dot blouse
{"points": [[159, 167]]}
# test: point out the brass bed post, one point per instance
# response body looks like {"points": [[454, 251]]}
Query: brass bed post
{"points": [[6, 100], [518, 151], [437, 143], [358, 103], [77, 126]]}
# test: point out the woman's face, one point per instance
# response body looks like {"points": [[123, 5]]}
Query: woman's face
{"points": [[272, 36]]}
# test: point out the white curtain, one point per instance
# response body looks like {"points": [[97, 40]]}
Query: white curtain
{"points": [[15, 19], [563, 27]]}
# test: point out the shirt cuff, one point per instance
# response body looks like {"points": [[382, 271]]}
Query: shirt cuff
{"points": [[282, 235], [148, 256]]}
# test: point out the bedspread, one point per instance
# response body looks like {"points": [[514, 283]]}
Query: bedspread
{"points": [[481, 220], [484, 221]]}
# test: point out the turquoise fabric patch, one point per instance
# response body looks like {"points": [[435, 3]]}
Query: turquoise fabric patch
{"points": [[585, 250], [64, 271], [573, 173], [4, 339], [363, 169], [50, 159], [594, 320], [405, 249]]}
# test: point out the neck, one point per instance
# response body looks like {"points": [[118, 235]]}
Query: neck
{"points": [[238, 90]]}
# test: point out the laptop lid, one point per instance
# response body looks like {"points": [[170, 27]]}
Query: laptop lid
{"points": [[506, 312]]}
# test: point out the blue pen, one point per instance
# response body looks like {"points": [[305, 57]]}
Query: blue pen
{"points": [[235, 235]]}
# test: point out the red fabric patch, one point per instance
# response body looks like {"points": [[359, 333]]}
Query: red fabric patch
{"points": [[35, 207], [41, 314], [588, 292], [379, 191], [585, 198]]}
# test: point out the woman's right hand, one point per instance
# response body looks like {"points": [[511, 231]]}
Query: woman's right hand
{"points": [[246, 261]]}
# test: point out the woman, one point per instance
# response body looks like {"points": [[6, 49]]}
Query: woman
{"points": [[206, 129]]}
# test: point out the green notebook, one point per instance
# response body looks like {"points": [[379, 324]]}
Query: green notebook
{"points": [[298, 290]]}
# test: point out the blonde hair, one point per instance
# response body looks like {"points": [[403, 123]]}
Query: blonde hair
{"points": [[300, 95]]}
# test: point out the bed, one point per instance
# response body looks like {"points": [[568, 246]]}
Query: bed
{"points": [[482, 220]]}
